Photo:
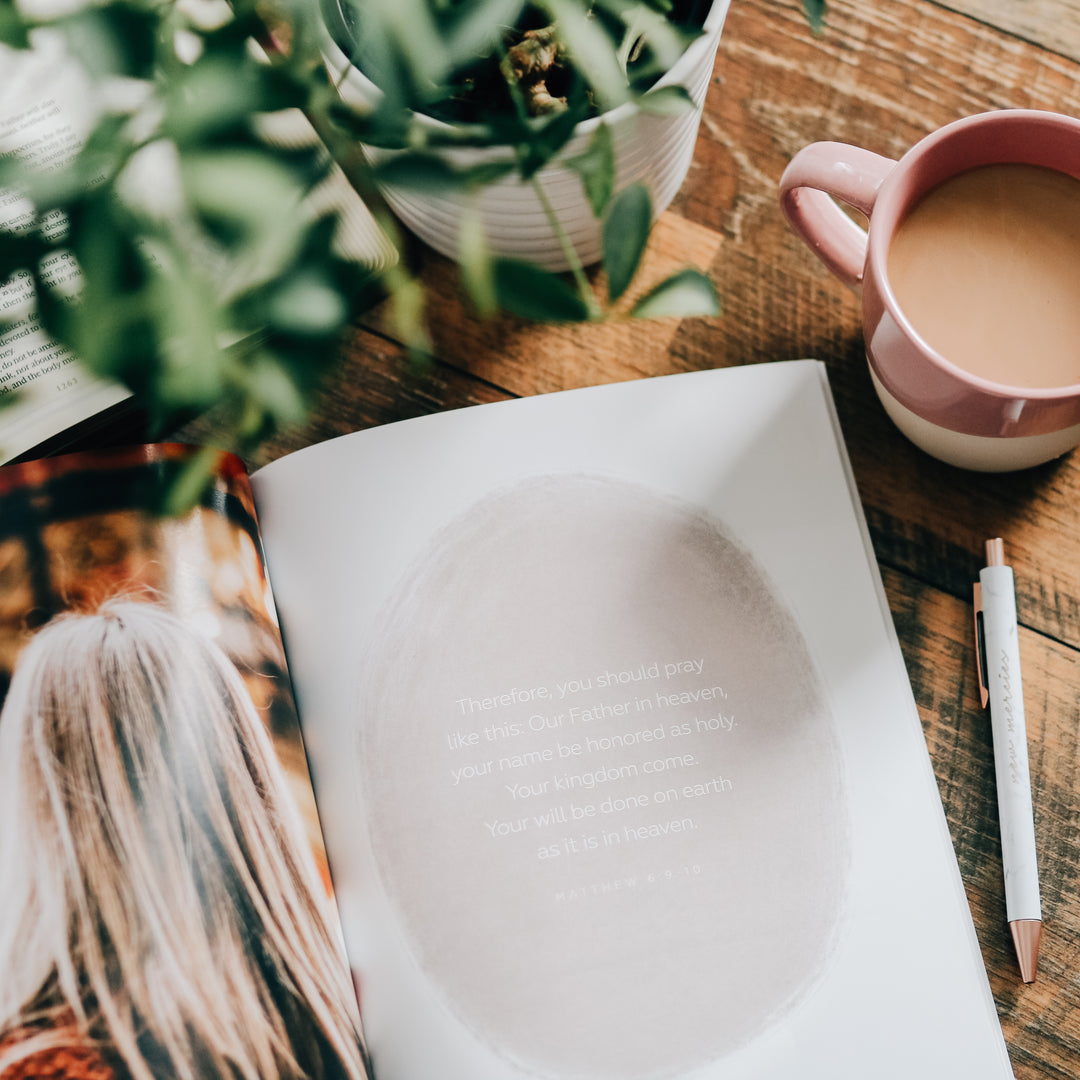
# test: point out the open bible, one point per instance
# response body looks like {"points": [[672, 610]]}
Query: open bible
{"points": [[616, 768]]}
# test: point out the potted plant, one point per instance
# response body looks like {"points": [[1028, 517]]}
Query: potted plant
{"points": [[524, 139], [525, 104], [220, 254]]}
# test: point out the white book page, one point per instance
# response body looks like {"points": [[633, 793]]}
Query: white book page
{"points": [[617, 760], [46, 110]]}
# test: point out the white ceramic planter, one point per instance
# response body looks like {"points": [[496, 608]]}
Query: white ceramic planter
{"points": [[655, 150]]}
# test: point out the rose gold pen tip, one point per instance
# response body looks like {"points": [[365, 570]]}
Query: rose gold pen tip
{"points": [[1026, 935], [995, 552]]}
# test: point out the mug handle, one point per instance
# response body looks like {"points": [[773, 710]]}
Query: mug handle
{"points": [[818, 173]]}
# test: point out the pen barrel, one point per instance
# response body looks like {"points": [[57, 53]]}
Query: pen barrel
{"points": [[1010, 743]]}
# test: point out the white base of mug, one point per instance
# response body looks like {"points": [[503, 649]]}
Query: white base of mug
{"points": [[980, 453]]}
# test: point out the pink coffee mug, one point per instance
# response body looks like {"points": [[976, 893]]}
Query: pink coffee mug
{"points": [[954, 415]]}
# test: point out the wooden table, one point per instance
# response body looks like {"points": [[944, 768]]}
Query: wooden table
{"points": [[883, 74]]}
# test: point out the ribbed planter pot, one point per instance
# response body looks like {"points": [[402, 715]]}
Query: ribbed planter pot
{"points": [[655, 150]]}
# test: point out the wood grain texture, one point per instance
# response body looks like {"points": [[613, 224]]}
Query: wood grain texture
{"points": [[1054, 24], [533, 358], [1042, 1020]]}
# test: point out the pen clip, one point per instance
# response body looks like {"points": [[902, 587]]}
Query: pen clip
{"points": [[980, 646]]}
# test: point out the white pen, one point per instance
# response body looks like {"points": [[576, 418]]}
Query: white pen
{"points": [[998, 655]]}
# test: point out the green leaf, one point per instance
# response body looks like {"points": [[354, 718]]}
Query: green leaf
{"points": [[308, 305], [190, 372], [667, 101], [524, 289], [387, 126], [685, 294], [106, 147], [541, 142], [487, 172], [401, 49], [12, 397], [212, 95], [815, 14], [407, 310], [274, 388], [434, 175], [592, 50], [477, 27], [426, 173], [474, 257], [118, 38], [56, 316], [596, 168], [646, 26], [20, 251], [190, 481], [246, 187], [626, 232], [109, 327], [10, 169], [14, 30]]}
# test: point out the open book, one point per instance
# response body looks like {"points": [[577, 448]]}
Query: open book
{"points": [[616, 761]]}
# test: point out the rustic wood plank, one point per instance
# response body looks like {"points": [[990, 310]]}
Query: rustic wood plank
{"points": [[531, 358], [1054, 24], [1042, 1020]]}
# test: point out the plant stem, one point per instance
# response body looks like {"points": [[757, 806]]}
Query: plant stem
{"points": [[582, 282], [338, 81]]}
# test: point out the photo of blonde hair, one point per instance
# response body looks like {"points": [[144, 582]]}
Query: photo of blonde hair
{"points": [[160, 912]]}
